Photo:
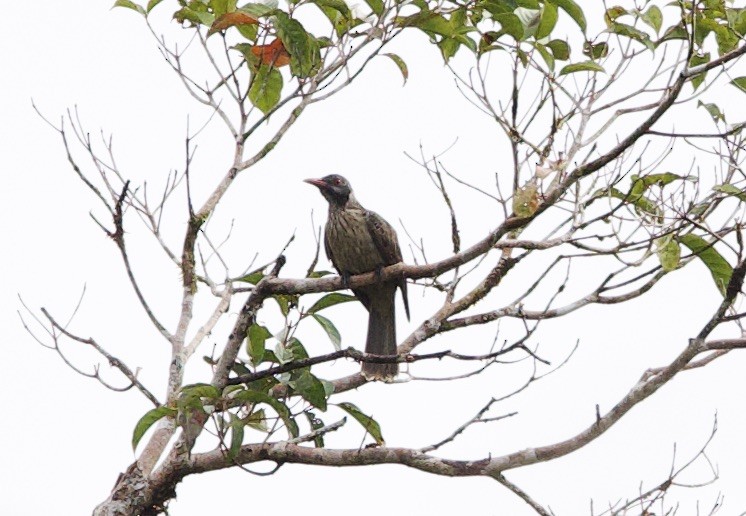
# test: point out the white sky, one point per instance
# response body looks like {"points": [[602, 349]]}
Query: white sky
{"points": [[65, 438]]}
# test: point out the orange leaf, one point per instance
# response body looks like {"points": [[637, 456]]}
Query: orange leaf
{"points": [[226, 20], [273, 54]]}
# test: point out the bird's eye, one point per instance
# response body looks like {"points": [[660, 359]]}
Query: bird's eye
{"points": [[337, 181]]}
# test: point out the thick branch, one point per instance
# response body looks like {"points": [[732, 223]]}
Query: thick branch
{"points": [[283, 452]]}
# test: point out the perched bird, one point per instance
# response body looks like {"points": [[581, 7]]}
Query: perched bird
{"points": [[357, 241]]}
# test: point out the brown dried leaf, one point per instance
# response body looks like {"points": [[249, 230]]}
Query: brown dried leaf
{"points": [[231, 20], [273, 54]]}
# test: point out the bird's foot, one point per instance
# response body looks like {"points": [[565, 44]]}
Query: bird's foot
{"points": [[345, 279], [379, 273]]}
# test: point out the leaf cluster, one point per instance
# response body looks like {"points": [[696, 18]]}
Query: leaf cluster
{"points": [[651, 212], [238, 407]]}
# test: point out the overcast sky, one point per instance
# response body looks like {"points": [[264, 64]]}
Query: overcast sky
{"points": [[65, 438]]}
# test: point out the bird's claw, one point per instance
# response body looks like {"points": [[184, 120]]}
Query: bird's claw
{"points": [[345, 279]]}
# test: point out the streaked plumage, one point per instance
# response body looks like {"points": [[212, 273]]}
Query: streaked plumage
{"points": [[356, 241]]}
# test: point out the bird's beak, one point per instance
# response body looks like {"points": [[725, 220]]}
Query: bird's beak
{"points": [[319, 183]]}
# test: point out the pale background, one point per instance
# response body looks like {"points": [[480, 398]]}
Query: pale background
{"points": [[65, 438]]}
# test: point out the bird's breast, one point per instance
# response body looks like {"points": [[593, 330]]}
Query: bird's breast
{"points": [[350, 242]]}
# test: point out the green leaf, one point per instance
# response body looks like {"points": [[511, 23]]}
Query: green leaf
{"points": [[740, 83], [256, 276], [376, 6], [699, 209], [320, 274], [198, 391], [644, 207], [315, 424], [726, 39], [266, 88], [238, 367], [257, 420], [720, 269], [509, 24], [248, 31], [330, 330], [296, 349], [596, 51], [631, 32], [545, 55], [129, 5], [585, 66], [547, 22], [495, 7], [612, 13], [257, 10], [286, 302], [405, 73], [731, 190], [283, 355], [448, 47], [674, 32], [560, 49], [237, 432], [152, 4], [737, 20], [529, 20], [194, 16], [696, 60], [428, 21], [653, 17], [257, 336], [328, 300], [702, 28], [640, 184], [465, 40], [269, 356], [220, 7], [150, 417], [574, 10], [526, 199], [669, 252], [337, 5], [638, 188], [328, 387], [341, 24], [339, 15], [311, 389], [228, 390], [305, 55], [486, 43], [281, 409], [370, 424], [523, 56], [264, 385], [325, 42], [713, 110], [648, 210]]}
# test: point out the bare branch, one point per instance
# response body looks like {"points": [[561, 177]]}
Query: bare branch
{"points": [[113, 361]]}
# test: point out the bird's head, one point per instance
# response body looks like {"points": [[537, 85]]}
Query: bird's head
{"points": [[335, 189]]}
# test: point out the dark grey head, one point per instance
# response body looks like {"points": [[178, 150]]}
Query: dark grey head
{"points": [[335, 188]]}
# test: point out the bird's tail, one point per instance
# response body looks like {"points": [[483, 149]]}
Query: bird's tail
{"points": [[381, 335]]}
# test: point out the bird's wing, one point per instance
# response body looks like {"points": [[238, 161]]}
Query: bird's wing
{"points": [[384, 238], [387, 244]]}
